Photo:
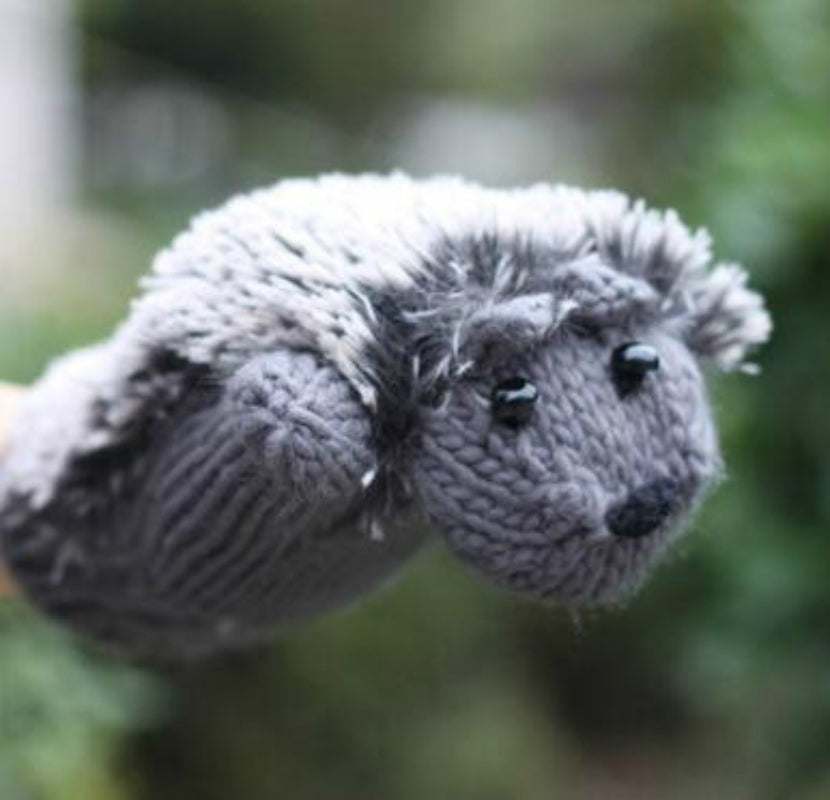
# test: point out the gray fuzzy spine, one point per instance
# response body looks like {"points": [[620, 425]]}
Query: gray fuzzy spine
{"points": [[379, 275]]}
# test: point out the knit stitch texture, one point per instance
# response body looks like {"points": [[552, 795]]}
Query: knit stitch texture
{"points": [[319, 376]]}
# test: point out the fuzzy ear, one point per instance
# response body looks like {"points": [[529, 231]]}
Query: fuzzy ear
{"points": [[600, 294], [508, 326], [727, 318]]}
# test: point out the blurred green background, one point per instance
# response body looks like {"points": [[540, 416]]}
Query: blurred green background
{"points": [[122, 118]]}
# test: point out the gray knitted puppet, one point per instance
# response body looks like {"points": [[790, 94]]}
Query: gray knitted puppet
{"points": [[319, 373]]}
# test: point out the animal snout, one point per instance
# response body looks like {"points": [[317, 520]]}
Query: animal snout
{"points": [[643, 510]]}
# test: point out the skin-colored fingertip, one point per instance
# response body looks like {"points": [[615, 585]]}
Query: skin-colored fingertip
{"points": [[7, 588], [10, 398]]}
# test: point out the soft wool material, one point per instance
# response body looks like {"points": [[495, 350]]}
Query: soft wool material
{"points": [[319, 374]]}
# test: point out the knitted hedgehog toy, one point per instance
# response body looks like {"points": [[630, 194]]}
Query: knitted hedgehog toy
{"points": [[318, 374]]}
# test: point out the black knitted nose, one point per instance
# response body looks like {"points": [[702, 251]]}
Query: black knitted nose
{"points": [[643, 510]]}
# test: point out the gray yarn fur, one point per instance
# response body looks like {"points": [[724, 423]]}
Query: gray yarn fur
{"points": [[307, 376]]}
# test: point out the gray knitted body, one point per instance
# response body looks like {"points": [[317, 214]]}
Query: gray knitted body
{"points": [[319, 374]]}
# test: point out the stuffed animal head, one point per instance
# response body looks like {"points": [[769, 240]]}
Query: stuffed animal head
{"points": [[572, 436]]}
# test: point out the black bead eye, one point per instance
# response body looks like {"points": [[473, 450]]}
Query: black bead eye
{"points": [[630, 363], [513, 400]]}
